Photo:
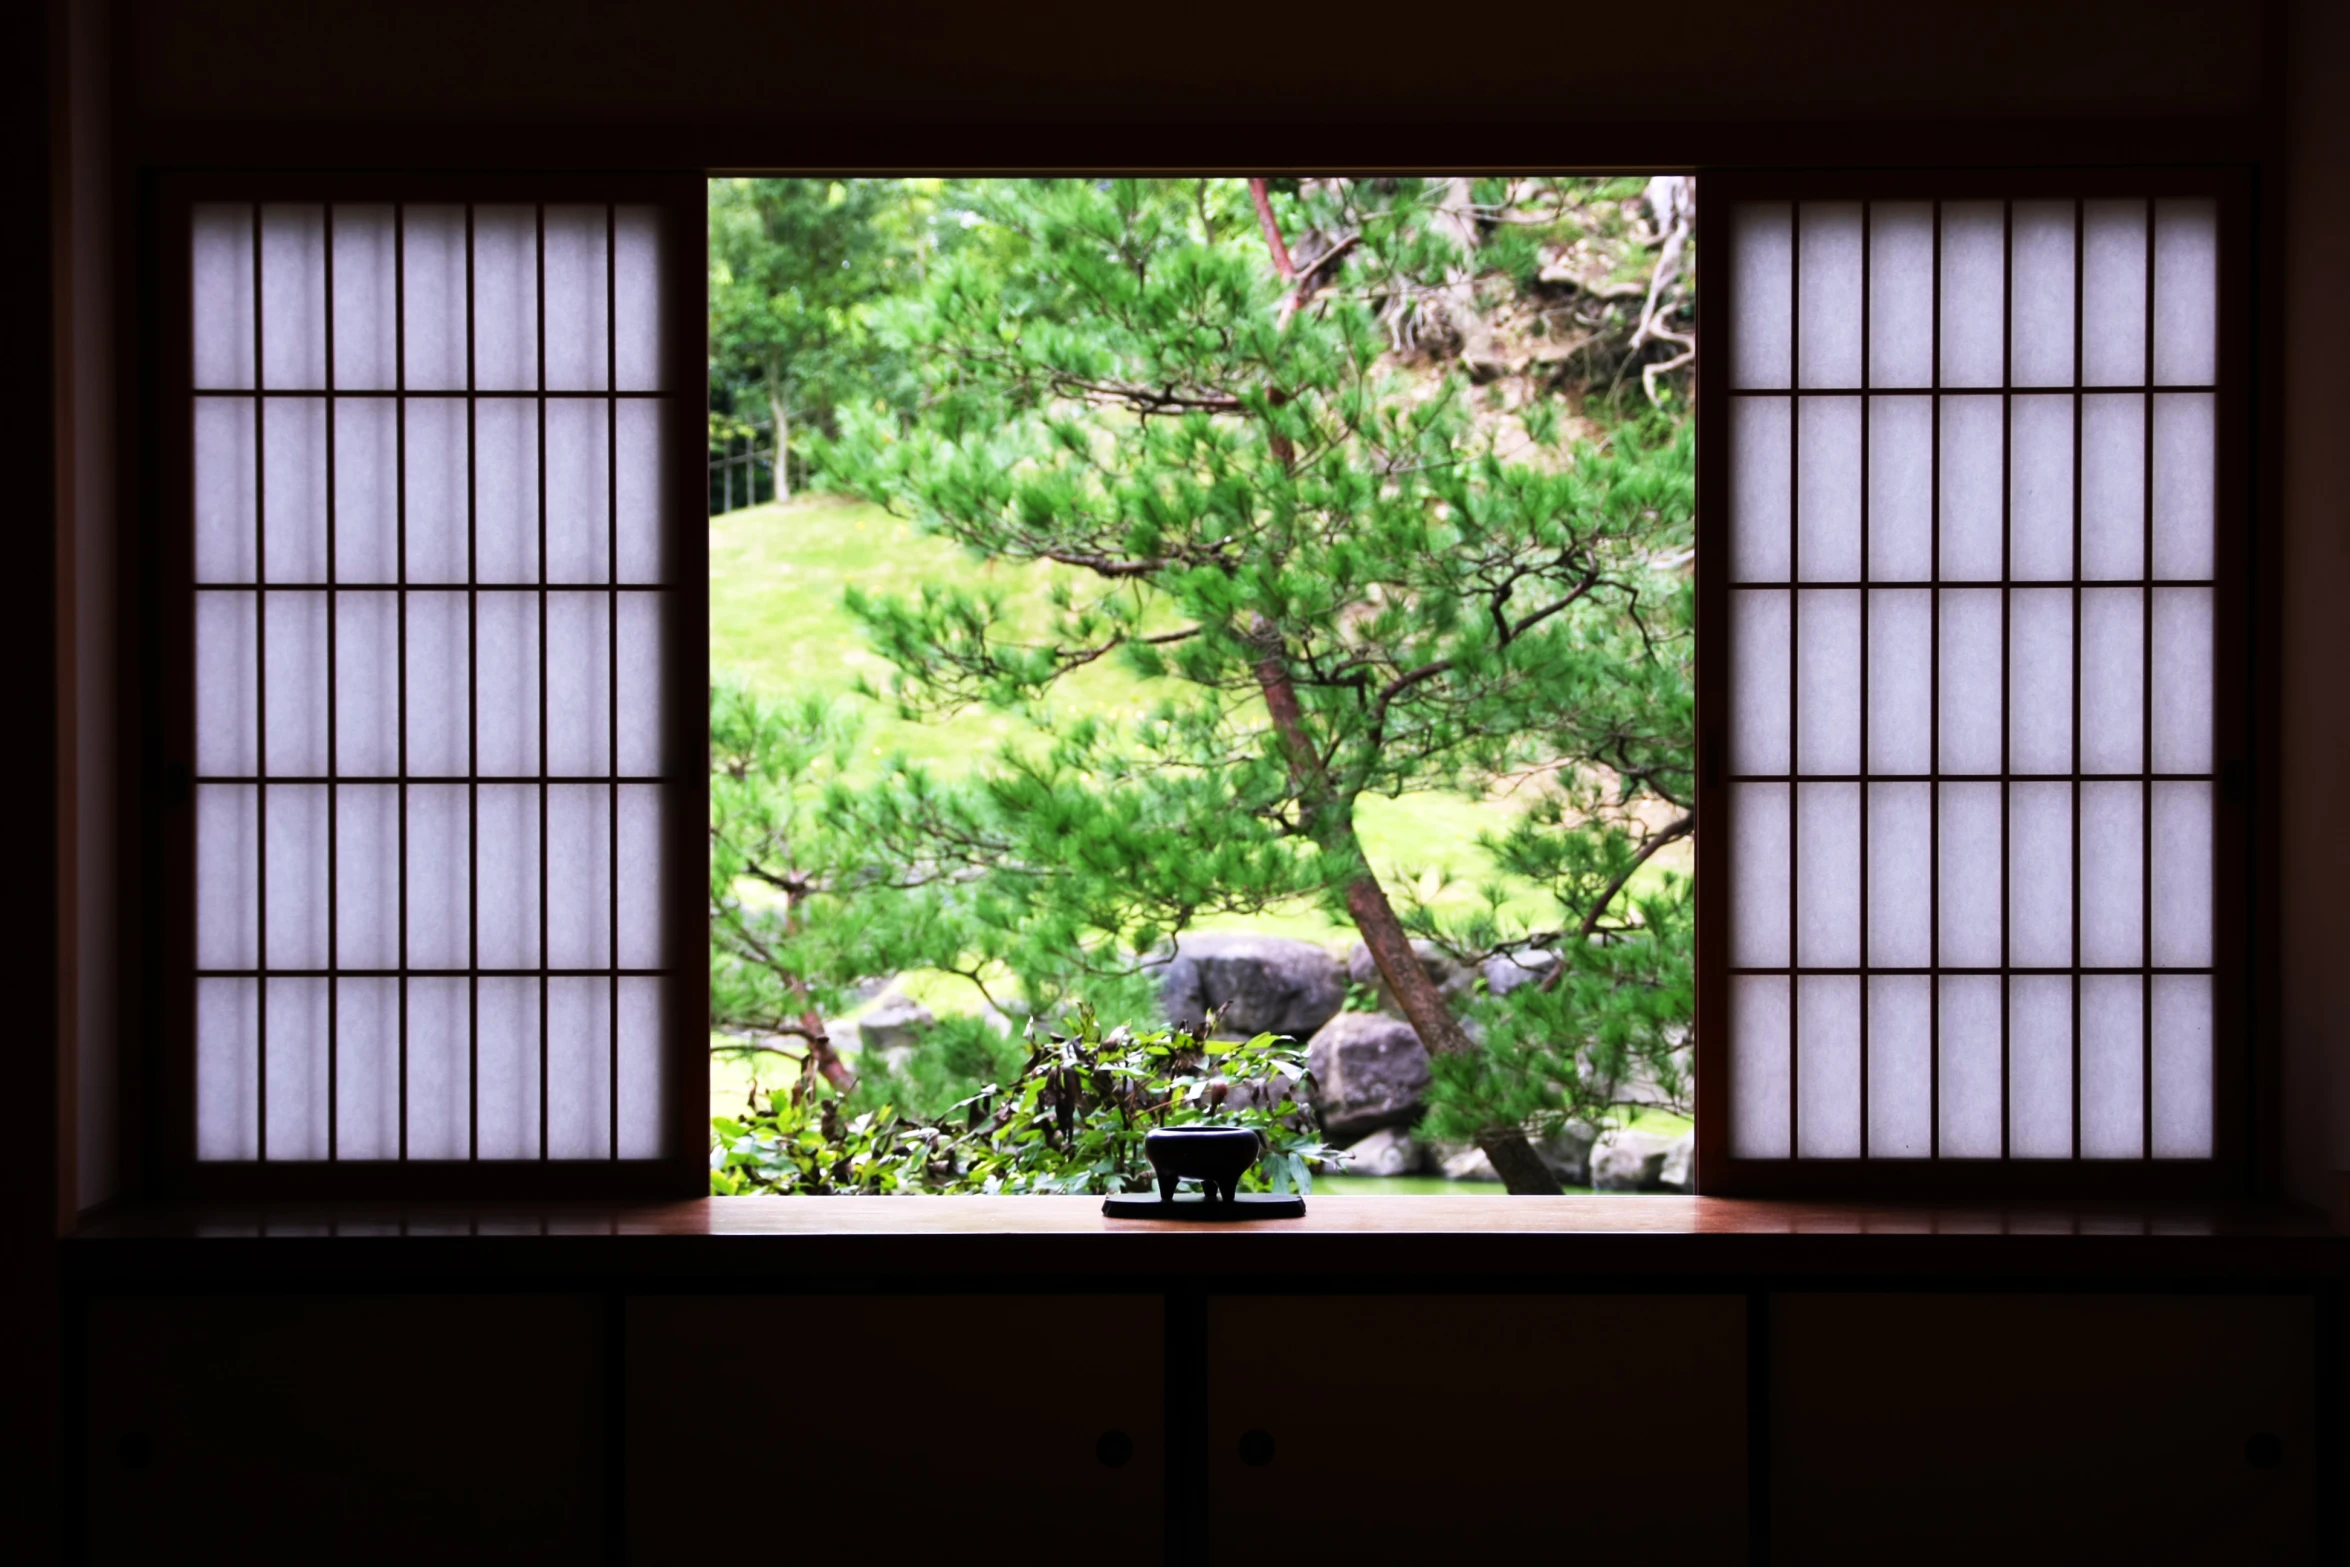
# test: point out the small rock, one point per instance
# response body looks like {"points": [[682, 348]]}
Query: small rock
{"points": [[1506, 971], [1368, 1071], [1390, 1151], [895, 1022], [1254, 984], [1630, 1162], [1568, 1153], [1454, 981], [1470, 1164]]}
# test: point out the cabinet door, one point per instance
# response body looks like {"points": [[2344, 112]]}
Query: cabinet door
{"points": [[870, 1428], [1434, 1428], [345, 1430], [2035, 1428]]}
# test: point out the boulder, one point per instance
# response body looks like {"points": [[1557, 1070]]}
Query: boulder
{"points": [[1631, 1162], [1388, 1152], [1568, 1153], [1680, 1171], [1254, 984], [1368, 1070], [1454, 980], [895, 1022], [1470, 1164], [1506, 971]]}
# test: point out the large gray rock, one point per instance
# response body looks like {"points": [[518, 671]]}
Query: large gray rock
{"points": [[1680, 1171], [1255, 984], [1568, 1153], [1506, 971], [1453, 979], [1470, 1164], [1631, 1162], [1368, 1072], [1388, 1152]]}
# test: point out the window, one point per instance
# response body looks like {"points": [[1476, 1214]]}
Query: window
{"points": [[442, 693], [1972, 663]]}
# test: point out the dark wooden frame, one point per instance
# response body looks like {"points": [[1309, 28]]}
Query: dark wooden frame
{"points": [[159, 632], [2243, 880]]}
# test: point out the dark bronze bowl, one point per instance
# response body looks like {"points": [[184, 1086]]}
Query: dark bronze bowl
{"points": [[1215, 1156]]}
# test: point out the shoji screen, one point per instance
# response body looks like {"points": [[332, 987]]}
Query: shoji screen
{"points": [[443, 613], [1967, 685]]}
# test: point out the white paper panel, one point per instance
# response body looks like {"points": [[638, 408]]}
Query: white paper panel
{"points": [[507, 863], [505, 298], [2113, 290], [579, 718], [1827, 1112], [293, 468], [2113, 1066], [579, 1068], [506, 490], [367, 490], [506, 683], [1971, 674], [2040, 1066], [2040, 489], [367, 876], [2185, 484], [1901, 680], [221, 293], [640, 876], [637, 297], [1901, 293], [295, 735], [1973, 486], [1828, 489], [1828, 875], [440, 1069], [1828, 671], [640, 1069], [579, 490], [2113, 486], [2183, 653], [437, 680], [1758, 1066], [507, 1052], [1760, 642], [1970, 857], [228, 871], [2113, 907], [579, 876], [639, 676], [433, 268], [225, 490], [1761, 449], [294, 817], [227, 694], [2041, 325], [298, 1080], [1901, 1066], [1974, 293], [578, 299], [1901, 875], [1901, 489], [367, 1068], [228, 1069], [1829, 332], [639, 490], [2040, 680], [366, 299], [2113, 673], [1970, 1030], [367, 681], [436, 499], [1759, 872], [293, 297], [2186, 292], [2182, 1066], [439, 899], [2182, 874], [1761, 283], [2040, 875]]}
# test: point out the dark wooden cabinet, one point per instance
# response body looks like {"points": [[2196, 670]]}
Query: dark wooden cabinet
{"points": [[948, 1428], [2025, 1428], [392, 1429], [1432, 1428]]}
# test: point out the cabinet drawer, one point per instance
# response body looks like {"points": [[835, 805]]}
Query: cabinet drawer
{"points": [[2043, 1428], [1430, 1428]]}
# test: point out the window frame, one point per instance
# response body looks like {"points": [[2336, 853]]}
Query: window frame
{"points": [[159, 631], [2242, 885]]}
